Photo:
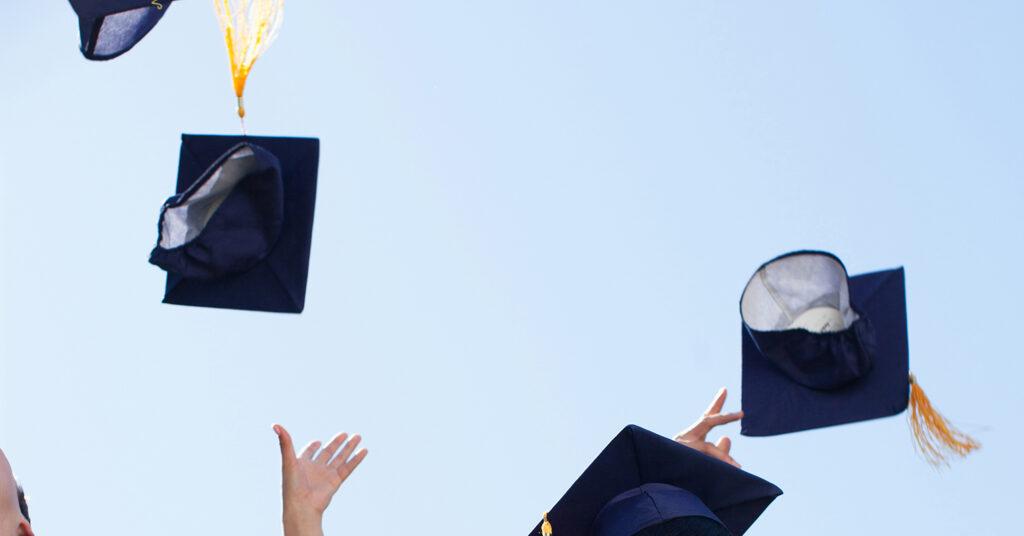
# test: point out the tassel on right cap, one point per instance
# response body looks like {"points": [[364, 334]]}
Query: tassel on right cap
{"points": [[934, 436], [545, 527]]}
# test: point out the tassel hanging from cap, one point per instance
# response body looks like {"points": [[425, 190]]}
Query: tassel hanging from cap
{"points": [[935, 437], [249, 26], [545, 527]]}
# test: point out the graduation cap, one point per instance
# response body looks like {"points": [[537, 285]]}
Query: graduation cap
{"points": [[109, 28], [643, 483], [237, 234], [821, 348]]}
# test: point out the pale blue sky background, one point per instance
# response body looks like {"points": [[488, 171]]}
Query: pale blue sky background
{"points": [[534, 222]]}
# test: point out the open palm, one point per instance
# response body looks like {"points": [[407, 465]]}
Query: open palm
{"points": [[310, 480]]}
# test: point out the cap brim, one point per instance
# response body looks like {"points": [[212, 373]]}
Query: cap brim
{"points": [[775, 404]]}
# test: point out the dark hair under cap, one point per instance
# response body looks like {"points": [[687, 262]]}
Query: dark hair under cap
{"points": [[23, 504], [686, 526]]}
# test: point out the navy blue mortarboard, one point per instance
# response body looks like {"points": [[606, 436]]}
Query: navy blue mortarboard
{"points": [[642, 481], [821, 348], [109, 28], [237, 234]]}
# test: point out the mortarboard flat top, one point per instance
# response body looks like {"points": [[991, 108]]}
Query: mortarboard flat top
{"points": [[642, 480], [821, 348], [109, 28], [256, 256]]}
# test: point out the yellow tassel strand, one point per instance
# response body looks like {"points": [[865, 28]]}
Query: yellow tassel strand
{"points": [[545, 527], [935, 438], [249, 27]]}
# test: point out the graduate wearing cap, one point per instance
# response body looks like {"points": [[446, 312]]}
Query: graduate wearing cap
{"points": [[643, 484], [821, 348], [109, 28]]}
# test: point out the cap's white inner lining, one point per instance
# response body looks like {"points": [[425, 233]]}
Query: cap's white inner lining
{"points": [[119, 30], [780, 293], [184, 222]]}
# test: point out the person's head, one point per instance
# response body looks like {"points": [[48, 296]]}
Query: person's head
{"points": [[686, 526], [14, 519]]}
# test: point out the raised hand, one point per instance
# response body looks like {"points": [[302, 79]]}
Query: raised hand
{"points": [[310, 480], [696, 435]]}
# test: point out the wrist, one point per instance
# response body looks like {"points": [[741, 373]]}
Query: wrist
{"points": [[302, 522]]}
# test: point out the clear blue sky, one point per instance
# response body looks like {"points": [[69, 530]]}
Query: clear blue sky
{"points": [[533, 226]]}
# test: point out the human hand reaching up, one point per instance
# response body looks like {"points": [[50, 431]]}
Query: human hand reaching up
{"points": [[696, 435], [310, 480]]}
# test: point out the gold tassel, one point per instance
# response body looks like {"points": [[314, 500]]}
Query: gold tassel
{"points": [[935, 437], [545, 527], [249, 27]]}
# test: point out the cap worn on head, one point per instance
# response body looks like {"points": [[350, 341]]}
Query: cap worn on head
{"points": [[642, 480]]}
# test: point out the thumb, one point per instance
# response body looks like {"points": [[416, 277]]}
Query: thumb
{"points": [[287, 448]]}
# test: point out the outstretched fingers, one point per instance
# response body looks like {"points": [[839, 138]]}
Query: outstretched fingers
{"points": [[346, 451], [723, 418], [346, 468], [310, 450], [718, 402], [710, 421], [720, 450], [327, 453]]}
